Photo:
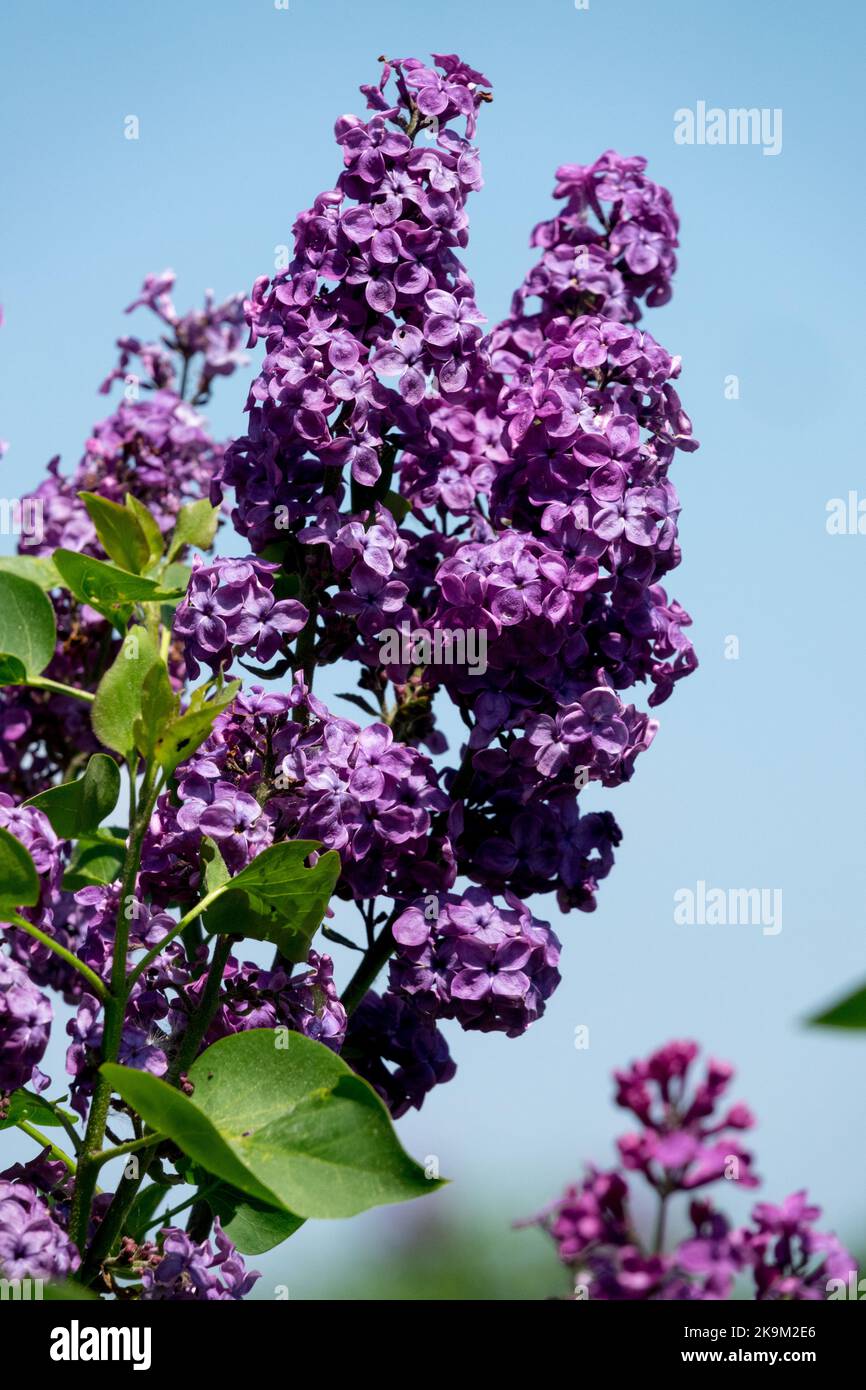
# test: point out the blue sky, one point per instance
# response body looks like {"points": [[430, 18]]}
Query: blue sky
{"points": [[756, 779]]}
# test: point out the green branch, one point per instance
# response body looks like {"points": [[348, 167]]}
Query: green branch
{"points": [[90, 976]]}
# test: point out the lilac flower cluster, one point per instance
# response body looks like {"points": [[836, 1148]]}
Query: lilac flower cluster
{"points": [[183, 1270], [212, 334], [612, 245], [25, 1025], [32, 1244], [374, 289], [392, 1029], [568, 440], [490, 968], [281, 766], [686, 1143], [398, 469], [250, 997], [230, 610]]}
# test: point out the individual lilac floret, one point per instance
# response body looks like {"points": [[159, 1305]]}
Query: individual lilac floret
{"points": [[491, 968], [32, 1245], [189, 1272], [230, 610], [25, 1024]]}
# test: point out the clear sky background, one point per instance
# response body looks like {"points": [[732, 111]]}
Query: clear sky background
{"points": [[756, 778]]}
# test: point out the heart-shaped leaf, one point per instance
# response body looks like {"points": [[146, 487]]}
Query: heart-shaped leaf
{"points": [[291, 1126], [28, 632], [76, 808]]}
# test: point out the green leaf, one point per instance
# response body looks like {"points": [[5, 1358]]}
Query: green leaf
{"points": [[24, 1105], [68, 1292], [213, 865], [19, 881], [110, 590], [119, 532], [252, 1226], [94, 860], [190, 729], [149, 526], [159, 706], [278, 898], [75, 808], [118, 698], [846, 1013], [196, 525], [27, 628], [292, 1127], [12, 671], [39, 569]]}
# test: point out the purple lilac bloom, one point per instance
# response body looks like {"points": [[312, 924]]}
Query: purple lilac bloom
{"points": [[230, 610], [491, 968], [25, 1024], [390, 1029], [186, 1271], [32, 1245], [685, 1138], [251, 997], [282, 767]]}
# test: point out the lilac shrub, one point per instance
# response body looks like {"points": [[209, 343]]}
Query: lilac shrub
{"points": [[402, 469], [687, 1141]]}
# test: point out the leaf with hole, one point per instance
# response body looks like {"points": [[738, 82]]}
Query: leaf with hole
{"points": [[278, 898]]}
